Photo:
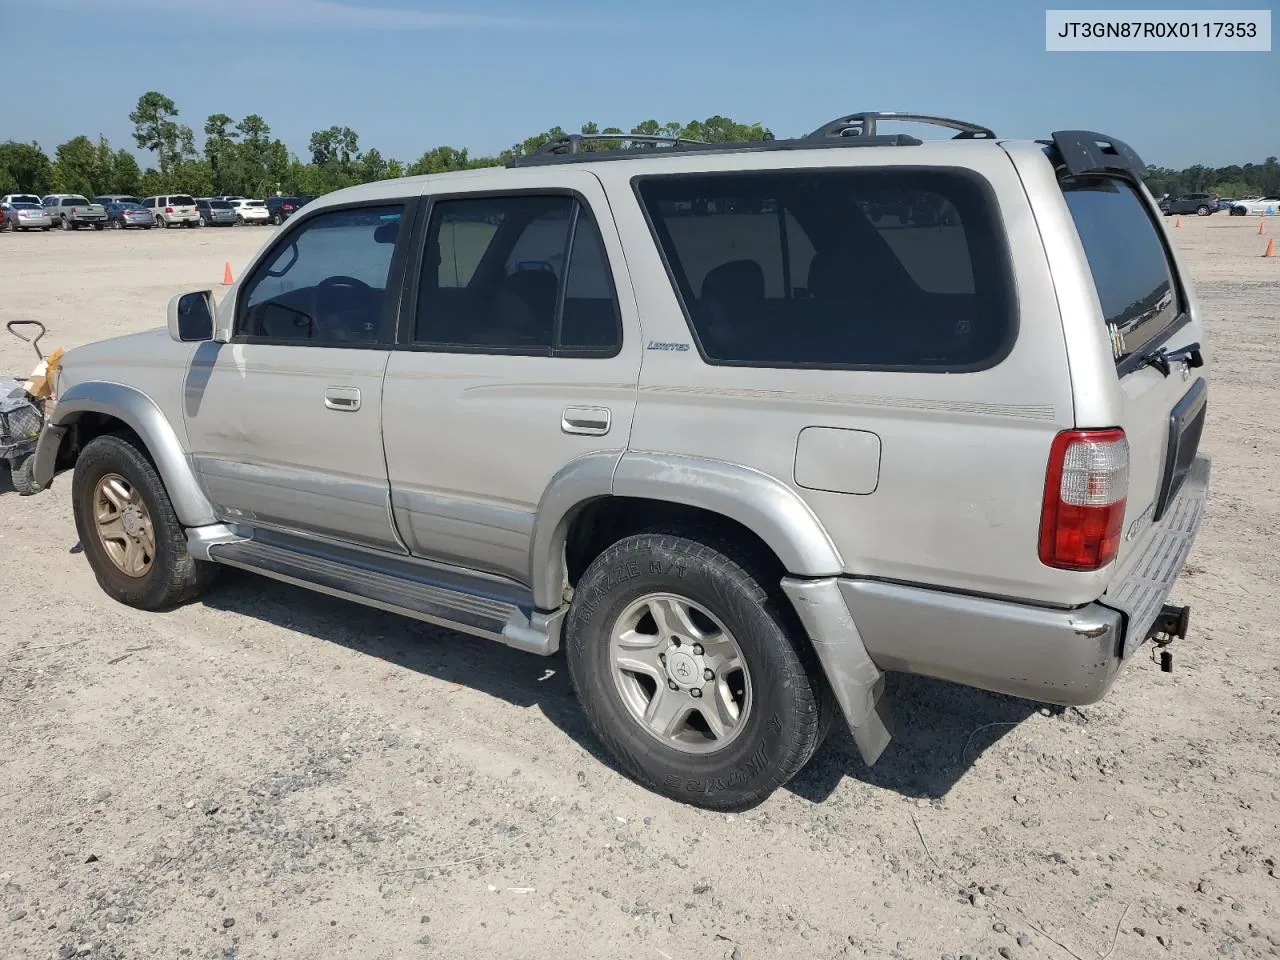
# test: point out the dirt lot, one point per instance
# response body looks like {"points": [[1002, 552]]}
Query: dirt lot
{"points": [[271, 773]]}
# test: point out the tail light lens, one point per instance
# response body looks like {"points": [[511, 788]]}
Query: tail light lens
{"points": [[1085, 489], [168, 209]]}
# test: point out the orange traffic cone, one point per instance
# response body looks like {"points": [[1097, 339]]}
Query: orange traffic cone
{"points": [[1271, 249], [1177, 222], [1262, 226], [226, 275]]}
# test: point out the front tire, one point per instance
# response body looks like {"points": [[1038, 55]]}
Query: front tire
{"points": [[131, 536], [693, 672], [22, 476]]}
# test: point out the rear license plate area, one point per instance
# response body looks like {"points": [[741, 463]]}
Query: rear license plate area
{"points": [[1186, 424]]}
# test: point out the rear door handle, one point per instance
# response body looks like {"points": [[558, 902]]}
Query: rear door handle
{"points": [[587, 421], [346, 399]]}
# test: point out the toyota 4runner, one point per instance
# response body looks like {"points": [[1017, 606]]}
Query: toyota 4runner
{"points": [[741, 427]]}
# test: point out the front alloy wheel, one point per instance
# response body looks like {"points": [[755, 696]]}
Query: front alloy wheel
{"points": [[123, 525]]}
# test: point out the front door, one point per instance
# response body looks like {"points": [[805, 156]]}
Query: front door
{"points": [[522, 355], [284, 421]]}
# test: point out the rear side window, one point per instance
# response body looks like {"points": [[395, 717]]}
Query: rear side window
{"points": [[1127, 258], [519, 274], [868, 268]]}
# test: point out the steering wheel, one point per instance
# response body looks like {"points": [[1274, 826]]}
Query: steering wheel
{"points": [[329, 318]]}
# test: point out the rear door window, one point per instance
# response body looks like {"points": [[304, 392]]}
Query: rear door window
{"points": [[868, 268], [1128, 259]]}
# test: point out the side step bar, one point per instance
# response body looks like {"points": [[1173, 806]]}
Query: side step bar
{"points": [[490, 610]]}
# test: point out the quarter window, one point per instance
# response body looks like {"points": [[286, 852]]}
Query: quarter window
{"points": [[870, 268], [327, 282], [518, 274]]}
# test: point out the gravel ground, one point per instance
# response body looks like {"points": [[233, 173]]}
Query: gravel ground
{"points": [[271, 773]]}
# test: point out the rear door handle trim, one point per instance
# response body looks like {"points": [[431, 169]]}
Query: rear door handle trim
{"points": [[586, 421], [342, 399]]}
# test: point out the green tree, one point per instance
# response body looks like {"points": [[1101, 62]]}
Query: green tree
{"points": [[155, 129], [24, 168], [372, 167], [440, 160], [126, 177], [220, 150], [76, 169]]}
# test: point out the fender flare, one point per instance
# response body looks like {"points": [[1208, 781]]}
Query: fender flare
{"points": [[140, 413], [761, 503]]}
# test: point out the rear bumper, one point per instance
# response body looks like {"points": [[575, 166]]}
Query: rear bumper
{"points": [[1059, 656]]}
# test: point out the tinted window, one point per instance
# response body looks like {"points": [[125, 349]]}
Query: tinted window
{"points": [[219, 205], [867, 268], [522, 274], [253, 203], [182, 201], [327, 282], [1127, 258], [74, 202]]}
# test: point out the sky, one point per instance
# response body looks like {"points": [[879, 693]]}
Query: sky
{"points": [[408, 75]]}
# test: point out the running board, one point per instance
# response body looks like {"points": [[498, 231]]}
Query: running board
{"points": [[495, 614]]}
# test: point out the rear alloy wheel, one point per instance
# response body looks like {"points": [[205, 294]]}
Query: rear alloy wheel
{"points": [[693, 671], [65, 224], [162, 223], [130, 534], [1203, 211]]}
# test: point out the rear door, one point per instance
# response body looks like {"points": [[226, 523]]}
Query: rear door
{"points": [[521, 354], [1146, 306]]}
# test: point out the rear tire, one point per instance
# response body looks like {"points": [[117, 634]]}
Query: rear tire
{"points": [[168, 575], [773, 710], [1203, 211], [97, 226], [66, 224]]}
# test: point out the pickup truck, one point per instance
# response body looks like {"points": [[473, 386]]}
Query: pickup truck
{"points": [[70, 211]]}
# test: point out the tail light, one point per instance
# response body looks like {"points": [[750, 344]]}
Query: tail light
{"points": [[1085, 488], [168, 209]]}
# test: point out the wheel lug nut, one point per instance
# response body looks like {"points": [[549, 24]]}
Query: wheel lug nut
{"points": [[662, 657], [697, 649], [695, 693], [673, 685], [708, 675]]}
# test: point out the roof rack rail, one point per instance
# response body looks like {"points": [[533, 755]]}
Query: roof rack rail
{"points": [[572, 143], [864, 125]]}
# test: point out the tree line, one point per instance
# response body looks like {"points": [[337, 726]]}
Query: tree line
{"points": [[241, 157]]}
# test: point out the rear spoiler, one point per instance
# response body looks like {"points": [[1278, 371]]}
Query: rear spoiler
{"points": [[1084, 152]]}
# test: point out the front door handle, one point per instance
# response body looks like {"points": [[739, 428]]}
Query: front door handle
{"points": [[588, 421], [346, 399]]}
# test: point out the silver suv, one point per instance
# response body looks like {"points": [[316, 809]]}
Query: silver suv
{"points": [[741, 427]]}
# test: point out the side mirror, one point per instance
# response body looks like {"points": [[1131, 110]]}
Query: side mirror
{"points": [[191, 317]]}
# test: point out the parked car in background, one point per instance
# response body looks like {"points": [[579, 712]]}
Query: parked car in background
{"points": [[108, 199], [26, 216], [216, 213], [71, 211], [11, 198], [178, 209], [281, 209], [251, 211], [1256, 206], [1201, 204], [123, 215]]}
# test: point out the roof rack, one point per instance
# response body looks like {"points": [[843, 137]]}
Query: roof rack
{"points": [[864, 125], [572, 143]]}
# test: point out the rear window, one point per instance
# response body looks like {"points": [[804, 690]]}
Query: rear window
{"points": [[1127, 258], [182, 201], [254, 203], [883, 269], [219, 205], [75, 202]]}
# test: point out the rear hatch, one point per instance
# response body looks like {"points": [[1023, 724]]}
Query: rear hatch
{"points": [[1149, 322], [183, 206]]}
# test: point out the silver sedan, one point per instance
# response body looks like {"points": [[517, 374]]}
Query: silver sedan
{"points": [[26, 216]]}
